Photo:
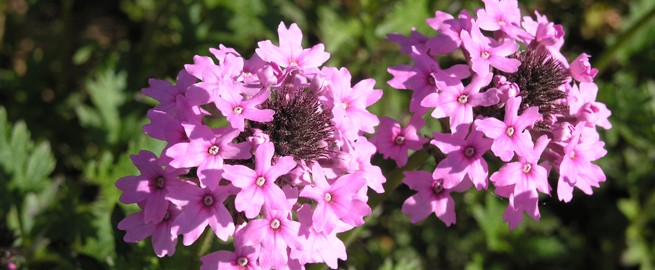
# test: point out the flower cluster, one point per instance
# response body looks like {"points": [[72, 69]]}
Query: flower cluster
{"points": [[509, 91], [268, 152]]}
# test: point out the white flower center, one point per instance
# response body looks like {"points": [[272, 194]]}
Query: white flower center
{"points": [[485, 54], [260, 181], [275, 224], [242, 261], [462, 99], [213, 150], [400, 139], [509, 131], [527, 167], [237, 110], [327, 197]]}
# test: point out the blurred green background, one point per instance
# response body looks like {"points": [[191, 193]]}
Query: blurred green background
{"points": [[71, 114]]}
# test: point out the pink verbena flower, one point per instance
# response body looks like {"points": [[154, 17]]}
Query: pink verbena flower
{"points": [[236, 109], [511, 135], [160, 232], [393, 141], [576, 169], [319, 246], [484, 53], [202, 207], [521, 88], [275, 232], [464, 156], [431, 196], [522, 180], [149, 188], [290, 52], [336, 201], [581, 70], [293, 115], [207, 150], [258, 186]]}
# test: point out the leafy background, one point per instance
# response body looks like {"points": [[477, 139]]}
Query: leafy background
{"points": [[71, 114]]}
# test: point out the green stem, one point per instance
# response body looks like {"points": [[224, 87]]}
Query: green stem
{"points": [[624, 38], [202, 246]]}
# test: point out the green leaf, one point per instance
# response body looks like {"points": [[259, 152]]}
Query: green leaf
{"points": [[106, 93]]}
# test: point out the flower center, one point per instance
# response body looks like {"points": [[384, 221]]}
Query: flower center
{"points": [[431, 81], [400, 139], [437, 186], [167, 216], [237, 110], [527, 167], [485, 54], [275, 224], [572, 155], [462, 99], [469, 151], [208, 200], [301, 127], [160, 182], [327, 197], [260, 181], [501, 23], [344, 105], [242, 261], [509, 131], [213, 150]]}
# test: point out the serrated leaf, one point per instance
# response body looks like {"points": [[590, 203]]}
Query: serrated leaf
{"points": [[40, 164], [106, 92]]}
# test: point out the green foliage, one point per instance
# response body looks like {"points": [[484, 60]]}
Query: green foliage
{"points": [[71, 71]]}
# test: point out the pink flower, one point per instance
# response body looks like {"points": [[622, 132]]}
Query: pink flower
{"points": [[319, 246], [449, 30], [464, 156], [149, 188], [501, 15], [236, 110], [483, 52], [583, 104], [359, 163], [207, 149], [202, 207], [243, 257], [393, 141], [457, 102], [258, 186], [166, 93], [581, 70], [526, 177], [511, 135], [290, 52], [425, 77], [416, 39], [576, 169], [275, 232], [336, 201], [350, 103], [431, 196], [163, 239]]}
